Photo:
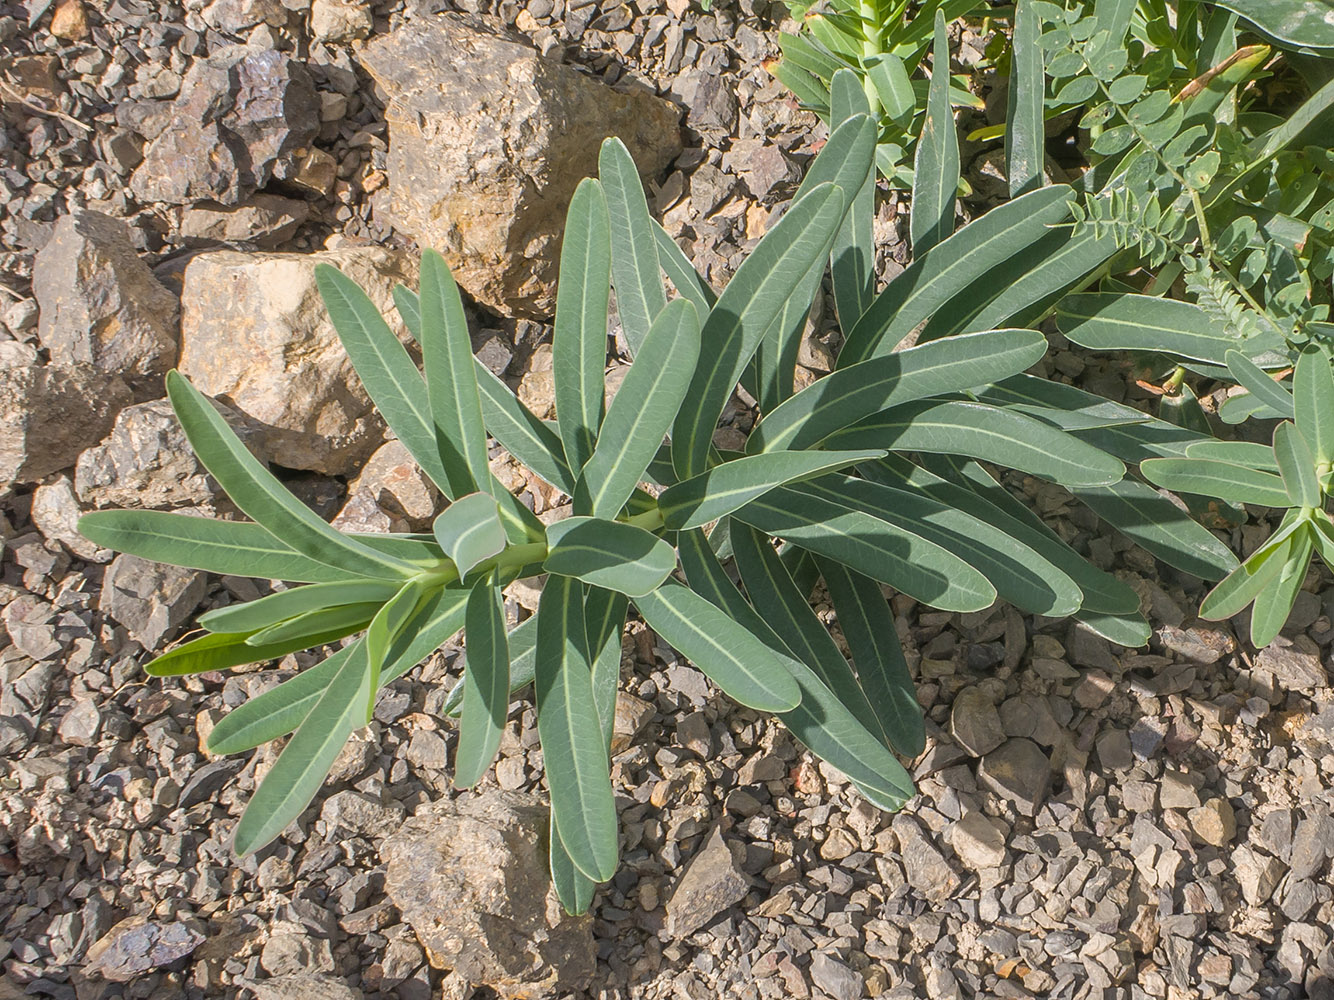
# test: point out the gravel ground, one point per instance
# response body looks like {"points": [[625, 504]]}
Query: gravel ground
{"points": [[1093, 822]]}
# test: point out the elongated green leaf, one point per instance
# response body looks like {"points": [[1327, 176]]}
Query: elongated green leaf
{"points": [[852, 258], [1313, 395], [1240, 587], [1273, 604], [1296, 465], [520, 433], [726, 487], [574, 889], [604, 618], [728, 654], [383, 365], [1209, 478], [579, 344], [300, 769], [486, 685], [642, 411], [771, 587], [893, 86], [750, 303], [676, 265], [1248, 453], [609, 554], [935, 279], [420, 551], [903, 559], [1025, 126], [821, 721], [1297, 23], [634, 254], [387, 624], [578, 775], [987, 432], [230, 548], [341, 619], [850, 394], [969, 488], [278, 711], [1248, 374], [286, 604], [409, 310], [936, 168], [451, 389], [1322, 536], [1151, 520], [868, 625], [260, 496], [469, 530], [220, 650], [1018, 573], [1112, 321], [1066, 407]]}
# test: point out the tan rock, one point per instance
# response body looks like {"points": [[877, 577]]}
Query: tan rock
{"points": [[265, 220], [255, 333], [391, 477], [55, 512], [340, 21], [101, 305], [50, 413], [70, 20], [978, 841], [1215, 822], [487, 141]]}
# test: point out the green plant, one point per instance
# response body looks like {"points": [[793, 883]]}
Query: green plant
{"points": [[868, 477], [1194, 179], [1296, 473], [883, 42]]}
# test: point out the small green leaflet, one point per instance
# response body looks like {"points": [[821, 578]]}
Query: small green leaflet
{"points": [[575, 757], [579, 344], [610, 554], [469, 531], [734, 484], [641, 412], [936, 169], [1249, 375], [727, 653], [1313, 398], [1296, 466], [486, 680]]}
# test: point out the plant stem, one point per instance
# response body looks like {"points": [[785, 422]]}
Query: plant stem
{"points": [[649, 520]]}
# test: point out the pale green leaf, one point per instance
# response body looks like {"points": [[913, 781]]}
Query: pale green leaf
{"points": [[1025, 126], [936, 168], [609, 554], [286, 604], [1313, 396], [635, 264], [1296, 465], [486, 685], [469, 531], [1210, 478]]}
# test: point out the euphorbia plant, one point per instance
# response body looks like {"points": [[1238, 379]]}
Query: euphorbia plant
{"points": [[818, 476]]}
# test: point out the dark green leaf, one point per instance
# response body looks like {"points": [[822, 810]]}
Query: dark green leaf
{"points": [[634, 262], [1025, 127], [936, 168], [486, 685]]}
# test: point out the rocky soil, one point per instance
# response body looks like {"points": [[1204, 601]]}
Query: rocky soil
{"points": [[1093, 822]]}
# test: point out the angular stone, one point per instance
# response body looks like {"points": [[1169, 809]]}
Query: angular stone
{"points": [[356, 812], [632, 715], [486, 180], [926, 868], [1019, 772], [239, 121], [55, 512], [1295, 664], [974, 722], [337, 22], [255, 332], [712, 882], [136, 946], [291, 949], [101, 305], [978, 841], [50, 413], [302, 986], [398, 486], [1215, 822], [147, 462], [1114, 750], [150, 599], [1256, 873], [470, 878], [235, 16], [265, 220], [838, 980], [1312, 842]]}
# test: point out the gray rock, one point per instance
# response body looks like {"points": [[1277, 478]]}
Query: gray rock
{"points": [[487, 181], [80, 725], [235, 16], [146, 461], [1114, 750], [302, 986], [926, 868], [358, 813], [255, 331], [337, 22], [101, 305], [1019, 772], [838, 980], [150, 599], [55, 512], [241, 116], [136, 946], [974, 722], [1256, 873], [207, 781], [470, 878], [1295, 664], [1311, 844], [291, 949], [712, 882], [978, 841], [50, 413], [711, 102], [266, 220]]}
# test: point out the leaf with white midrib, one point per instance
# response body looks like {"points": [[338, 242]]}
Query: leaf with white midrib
{"points": [[259, 495], [753, 298], [486, 683], [469, 530], [642, 411], [635, 270], [579, 343], [276, 712], [286, 604], [609, 554], [847, 395], [936, 167], [578, 775]]}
